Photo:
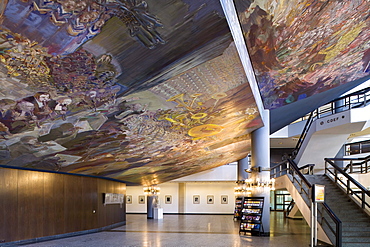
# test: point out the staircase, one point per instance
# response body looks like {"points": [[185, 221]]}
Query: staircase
{"points": [[355, 223]]}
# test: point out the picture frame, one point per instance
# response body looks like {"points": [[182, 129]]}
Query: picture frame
{"points": [[210, 199], [168, 199], [196, 199], [141, 199], [224, 199], [128, 199], [113, 198]]}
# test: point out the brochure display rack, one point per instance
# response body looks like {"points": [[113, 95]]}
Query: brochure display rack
{"points": [[251, 216], [238, 207]]}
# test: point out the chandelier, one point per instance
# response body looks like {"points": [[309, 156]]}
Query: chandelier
{"points": [[246, 186], [151, 190]]}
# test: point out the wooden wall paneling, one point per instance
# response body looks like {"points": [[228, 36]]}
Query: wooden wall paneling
{"points": [[30, 204], [8, 205], [54, 204], [36, 207], [72, 203], [102, 216], [23, 221], [90, 202], [36, 204]]}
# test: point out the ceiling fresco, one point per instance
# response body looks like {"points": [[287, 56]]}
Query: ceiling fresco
{"points": [[131, 90], [149, 91], [301, 48]]}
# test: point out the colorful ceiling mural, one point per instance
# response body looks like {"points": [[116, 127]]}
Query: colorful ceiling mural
{"points": [[126, 98], [300, 48], [149, 91]]}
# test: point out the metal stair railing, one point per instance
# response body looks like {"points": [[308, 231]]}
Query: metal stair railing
{"points": [[358, 193], [354, 100], [326, 217], [363, 166], [289, 208]]}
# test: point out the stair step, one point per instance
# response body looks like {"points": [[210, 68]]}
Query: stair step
{"points": [[356, 240], [352, 244], [349, 210], [355, 223], [358, 223], [358, 233]]}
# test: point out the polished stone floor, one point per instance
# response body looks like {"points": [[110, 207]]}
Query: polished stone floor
{"points": [[190, 230]]}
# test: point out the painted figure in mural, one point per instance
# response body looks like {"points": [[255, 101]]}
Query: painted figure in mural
{"points": [[43, 105], [91, 99], [6, 109], [140, 22], [4, 131], [61, 107], [22, 117]]}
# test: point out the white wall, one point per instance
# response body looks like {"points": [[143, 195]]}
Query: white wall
{"points": [[363, 179], [135, 192], [203, 189]]}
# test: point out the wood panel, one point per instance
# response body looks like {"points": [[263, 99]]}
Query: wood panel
{"points": [[9, 200], [54, 203], [90, 202], [36, 204], [102, 216], [72, 203], [30, 210]]}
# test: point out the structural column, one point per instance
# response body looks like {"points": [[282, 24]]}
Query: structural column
{"points": [[260, 166], [243, 164]]}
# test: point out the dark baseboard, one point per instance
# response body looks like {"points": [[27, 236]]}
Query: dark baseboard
{"points": [[60, 236]]}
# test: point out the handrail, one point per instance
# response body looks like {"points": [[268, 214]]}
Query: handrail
{"points": [[303, 134], [289, 208], [347, 186], [338, 223], [300, 175], [363, 165], [305, 187], [331, 108]]}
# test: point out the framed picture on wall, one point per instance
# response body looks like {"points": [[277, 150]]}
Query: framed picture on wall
{"points": [[210, 199], [168, 199], [196, 199], [141, 199], [129, 199], [224, 199]]}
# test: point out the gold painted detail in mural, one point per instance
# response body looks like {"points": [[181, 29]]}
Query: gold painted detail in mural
{"points": [[194, 114], [343, 42], [205, 130], [24, 58]]}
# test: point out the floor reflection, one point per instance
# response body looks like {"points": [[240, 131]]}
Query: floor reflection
{"points": [[191, 230]]}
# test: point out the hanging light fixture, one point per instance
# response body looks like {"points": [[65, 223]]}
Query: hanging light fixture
{"points": [[151, 190], [260, 183], [246, 186]]}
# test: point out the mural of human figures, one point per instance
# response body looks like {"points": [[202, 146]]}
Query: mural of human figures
{"points": [[149, 91]]}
